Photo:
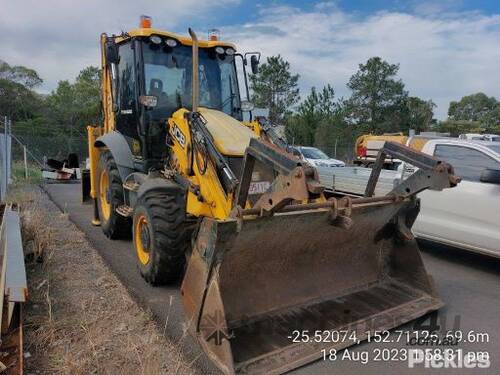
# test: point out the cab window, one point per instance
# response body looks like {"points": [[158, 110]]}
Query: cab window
{"points": [[126, 120], [468, 163]]}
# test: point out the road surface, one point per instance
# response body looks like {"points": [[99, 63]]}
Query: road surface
{"points": [[468, 284]]}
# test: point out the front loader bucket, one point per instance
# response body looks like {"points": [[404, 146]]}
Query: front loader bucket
{"points": [[252, 287]]}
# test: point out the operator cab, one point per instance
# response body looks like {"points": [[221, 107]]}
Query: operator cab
{"points": [[153, 79]]}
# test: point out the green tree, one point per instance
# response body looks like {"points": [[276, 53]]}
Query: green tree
{"points": [[17, 98], [471, 107], [27, 77], [491, 119], [457, 127], [317, 107], [476, 107], [88, 95], [378, 97], [63, 108], [275, 87], [72, 106], [419, 114]]}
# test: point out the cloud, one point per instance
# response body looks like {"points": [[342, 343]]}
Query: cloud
{"points": [[60, 37], [442, 56], [444, 53]]}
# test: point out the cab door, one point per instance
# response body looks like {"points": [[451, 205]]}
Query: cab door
{"points": [[464, 216], [127, 115]]}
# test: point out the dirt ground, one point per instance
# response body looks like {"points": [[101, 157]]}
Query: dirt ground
{"points": [[80, 318]]}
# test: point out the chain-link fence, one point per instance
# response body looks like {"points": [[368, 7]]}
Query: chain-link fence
{"points": [[53, 147], [22, 156], [30, 153]]}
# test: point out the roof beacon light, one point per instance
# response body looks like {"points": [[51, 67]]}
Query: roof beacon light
{"points": [[145, 22], [213, 35]]}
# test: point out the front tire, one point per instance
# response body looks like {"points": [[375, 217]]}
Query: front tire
{"points": [[109, 198], [161, 236]]}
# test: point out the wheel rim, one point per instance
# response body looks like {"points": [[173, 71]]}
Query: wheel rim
{"points": [[142, 239], [104, 194]]}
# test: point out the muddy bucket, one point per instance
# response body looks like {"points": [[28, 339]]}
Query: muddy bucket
{"points": [[259, 292]]}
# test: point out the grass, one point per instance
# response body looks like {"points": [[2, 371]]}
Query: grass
{"points": [[18, 173], [80, 319]]}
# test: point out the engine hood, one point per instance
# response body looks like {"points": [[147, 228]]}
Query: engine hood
{"points": [[231, 137]]}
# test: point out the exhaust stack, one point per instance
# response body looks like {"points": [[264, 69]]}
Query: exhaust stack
{"points": [[195, 78]]}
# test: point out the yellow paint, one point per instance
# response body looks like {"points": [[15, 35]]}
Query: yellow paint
{"points": [[215, 201], [103, 191], [362, 141], [230, 136], [92, 134], [254, 126], [418, 143], [106, 92], [182, 153], [180, 38], [141, 224]]}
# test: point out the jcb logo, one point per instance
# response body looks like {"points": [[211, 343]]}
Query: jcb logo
{"points": [[179, 136]]}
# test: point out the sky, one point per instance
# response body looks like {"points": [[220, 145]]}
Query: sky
{"points": [[445, 49]]}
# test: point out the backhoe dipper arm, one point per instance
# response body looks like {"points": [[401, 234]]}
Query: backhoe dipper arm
{"points": [[202, 137]]}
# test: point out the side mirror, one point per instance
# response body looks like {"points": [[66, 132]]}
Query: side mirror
{"points": [[111, 51], [491, 176], [254, 64]]}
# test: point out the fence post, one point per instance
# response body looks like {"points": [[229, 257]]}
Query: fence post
{"points": [[9, 153], [5, 178], [25, 163]]}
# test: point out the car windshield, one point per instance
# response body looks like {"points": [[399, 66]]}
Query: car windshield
{"points": [[495, 148], [168, 73], [313, 153]]}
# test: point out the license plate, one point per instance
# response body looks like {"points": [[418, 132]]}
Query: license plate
{"points": [[258, 187]]}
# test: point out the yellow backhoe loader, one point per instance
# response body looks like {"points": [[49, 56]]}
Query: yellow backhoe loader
{"points": [[265, 259]]}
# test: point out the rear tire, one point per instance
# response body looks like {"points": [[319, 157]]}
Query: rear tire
{"points": [[109, 197], [161, 236]]}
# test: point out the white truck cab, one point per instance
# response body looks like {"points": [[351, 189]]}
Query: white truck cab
{"points": [[467, 216]]}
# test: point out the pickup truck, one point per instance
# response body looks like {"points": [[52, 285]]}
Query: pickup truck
{"points": [[467, 216]]}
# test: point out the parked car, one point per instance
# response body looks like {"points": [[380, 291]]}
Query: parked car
{"points": [[467, 216], [316, 157]]}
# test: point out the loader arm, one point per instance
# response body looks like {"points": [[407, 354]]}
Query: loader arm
{"points": [[432, 174]]}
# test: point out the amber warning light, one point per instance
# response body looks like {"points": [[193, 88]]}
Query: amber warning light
{"points": [[145, 22]]}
